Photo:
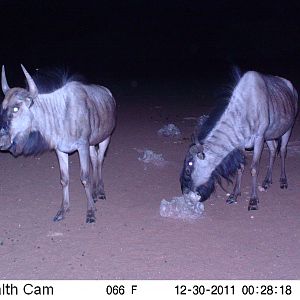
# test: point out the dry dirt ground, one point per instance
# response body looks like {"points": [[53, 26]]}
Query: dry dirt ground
{"points": [[130, 240]]}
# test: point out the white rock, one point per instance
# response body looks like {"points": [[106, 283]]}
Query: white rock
{"points": [[186, 207]]}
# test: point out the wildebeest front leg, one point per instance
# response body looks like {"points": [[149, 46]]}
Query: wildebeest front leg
{"points": [[258, 147], [284, 141], [63, 160], [272, 153], [237, 188], [85, 176]]}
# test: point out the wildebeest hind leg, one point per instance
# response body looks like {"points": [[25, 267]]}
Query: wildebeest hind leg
{"points": [[258, 147], [100, 155], [95, 178], [272, 153], [284, 141], [63, 160], [85, 176]]}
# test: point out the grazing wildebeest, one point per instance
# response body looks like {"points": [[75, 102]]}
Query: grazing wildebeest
{"points": [[74, 117], [261, 108]]}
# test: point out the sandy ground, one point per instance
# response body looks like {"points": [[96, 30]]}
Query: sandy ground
{"points": [[130, 240]]}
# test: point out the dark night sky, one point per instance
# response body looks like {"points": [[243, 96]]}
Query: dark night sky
{"points": [[151, 38]]}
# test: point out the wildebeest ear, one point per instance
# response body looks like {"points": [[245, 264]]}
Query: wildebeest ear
{"points": [[194, 150], [201, 155], [197, 149], [29, 101]]}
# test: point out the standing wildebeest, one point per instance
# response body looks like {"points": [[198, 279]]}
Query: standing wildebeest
{"points": [[261, 108], [74, 117]]}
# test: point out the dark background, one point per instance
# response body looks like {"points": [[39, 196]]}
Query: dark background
{"points": [[137, 41]]}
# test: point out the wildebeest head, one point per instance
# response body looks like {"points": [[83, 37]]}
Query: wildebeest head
{"points": [[196, 171], [201, 171], [15, 114]]}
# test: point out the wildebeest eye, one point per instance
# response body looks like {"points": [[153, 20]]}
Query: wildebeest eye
{"points": [[15, 109], [188, 168]]}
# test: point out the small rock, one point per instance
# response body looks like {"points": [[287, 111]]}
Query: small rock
{"points": [[169, 130], [186, 207], [150, 157], [261, 189]]}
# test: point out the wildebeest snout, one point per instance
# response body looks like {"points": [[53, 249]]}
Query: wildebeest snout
{"points": [[4, 129], [4, 140], [3, 132]]}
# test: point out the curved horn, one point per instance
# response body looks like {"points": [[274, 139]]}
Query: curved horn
{"points": [[31, 85], [5, 86]]}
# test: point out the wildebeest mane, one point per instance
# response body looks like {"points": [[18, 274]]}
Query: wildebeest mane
{"points": [[226, 169], [222, 101], [49, 80], [211, 121]]}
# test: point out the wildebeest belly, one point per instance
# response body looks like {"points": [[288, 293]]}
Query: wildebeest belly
{"points": [[280, 122], [102, 118]]}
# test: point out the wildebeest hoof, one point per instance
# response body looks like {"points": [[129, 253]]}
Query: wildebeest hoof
{"points": [[283, 183], [253, 204], [231, 199], [60, 215], [266, 184], [90, 217], [58, 218], [102, 197], [98, 195]]}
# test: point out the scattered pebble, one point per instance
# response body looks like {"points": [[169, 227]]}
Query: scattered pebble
{"points": [[190, 118], [150, 157], [169, 130], [53, 234]]}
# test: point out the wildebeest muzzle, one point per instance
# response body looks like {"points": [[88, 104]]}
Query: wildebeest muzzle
{"points": [[4, 130]]}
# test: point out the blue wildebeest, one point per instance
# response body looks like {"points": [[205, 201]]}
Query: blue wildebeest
{"points": [[261, 108], [74, 117]]}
